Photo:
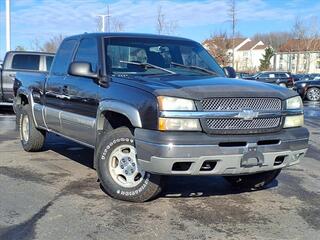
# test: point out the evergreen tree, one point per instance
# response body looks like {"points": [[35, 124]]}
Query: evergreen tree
{"points": [[265, 61]]}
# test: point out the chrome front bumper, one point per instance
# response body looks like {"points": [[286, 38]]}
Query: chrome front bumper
{"points": [[158, 152]]}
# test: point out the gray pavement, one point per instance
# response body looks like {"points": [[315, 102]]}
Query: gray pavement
{"points": [[54, 194]]}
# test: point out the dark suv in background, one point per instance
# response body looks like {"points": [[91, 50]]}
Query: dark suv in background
{"points": [[283, 79]]}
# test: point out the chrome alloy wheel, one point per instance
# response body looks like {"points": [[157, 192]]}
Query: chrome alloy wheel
{"points": [[124, 168], [313, 94], [25, 128]]}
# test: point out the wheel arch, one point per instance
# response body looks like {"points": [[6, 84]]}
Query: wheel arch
{"points": [[116, 114], [126, 111], [23, 97]]}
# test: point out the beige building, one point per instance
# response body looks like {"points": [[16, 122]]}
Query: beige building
{"points": [[247, 55], [247, 52], [298, 56]]}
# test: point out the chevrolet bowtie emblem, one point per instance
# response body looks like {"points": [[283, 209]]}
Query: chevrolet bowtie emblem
{"points": [[247, 114]]}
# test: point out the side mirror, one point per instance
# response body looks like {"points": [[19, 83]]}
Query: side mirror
{"points": [[230, 72], [82, 69]]}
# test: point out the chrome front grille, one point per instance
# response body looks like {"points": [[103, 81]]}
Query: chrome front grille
{"points": [[239, 124], [238, 104], [234, 125]]}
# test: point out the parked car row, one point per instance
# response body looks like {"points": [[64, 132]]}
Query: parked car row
{"points": [[283, 79], [307, 85]]}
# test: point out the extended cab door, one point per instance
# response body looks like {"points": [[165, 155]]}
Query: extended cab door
{"points": [[54, 91], [80, 106]]}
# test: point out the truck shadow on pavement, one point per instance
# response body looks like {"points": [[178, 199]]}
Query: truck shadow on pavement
{"points": [[174, 186]]}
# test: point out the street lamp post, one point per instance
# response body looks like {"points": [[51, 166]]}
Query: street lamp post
{"points": [[103, 25], [8, 26]]}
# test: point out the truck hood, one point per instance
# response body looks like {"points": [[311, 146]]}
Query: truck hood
{"points": [[194, 87]]}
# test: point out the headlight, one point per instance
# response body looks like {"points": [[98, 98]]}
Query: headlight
{"points": [[293, 121], [178, 124], [294, 103], [175, 104], [303, 84]]}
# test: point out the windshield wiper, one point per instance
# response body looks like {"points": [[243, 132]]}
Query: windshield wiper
{"points": [[194, 67], [148, 65]]}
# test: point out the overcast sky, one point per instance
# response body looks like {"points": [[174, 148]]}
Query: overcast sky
{"points": [[42, 19]]}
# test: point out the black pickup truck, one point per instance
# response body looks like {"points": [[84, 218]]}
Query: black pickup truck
{"points": [[153, 105], [20, 61]]}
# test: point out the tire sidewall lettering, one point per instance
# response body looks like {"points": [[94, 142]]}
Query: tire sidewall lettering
{"points": [[104, 158]]}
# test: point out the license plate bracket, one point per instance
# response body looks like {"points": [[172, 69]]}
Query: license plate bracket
{"points": [[252, 157]]}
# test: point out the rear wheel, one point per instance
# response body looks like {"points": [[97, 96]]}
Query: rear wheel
{"points": [[313, 94], [32, 139], [253, 181], [118, 169]]}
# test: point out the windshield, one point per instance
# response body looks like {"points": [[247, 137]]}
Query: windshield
{"points": [[176, 56]]}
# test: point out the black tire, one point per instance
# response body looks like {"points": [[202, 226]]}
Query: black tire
{"points": [[35, 140], [149, 185], [253, 181], [313, 94], [18, 110]]}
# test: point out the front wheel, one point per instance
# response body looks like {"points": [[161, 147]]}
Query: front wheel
{"points": [[253, 181], [118, 169]]}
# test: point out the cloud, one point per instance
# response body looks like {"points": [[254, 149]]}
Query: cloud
{"points": [[42, 19]]}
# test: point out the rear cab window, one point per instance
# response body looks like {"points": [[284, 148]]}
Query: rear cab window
{"points": [[25, 62]]}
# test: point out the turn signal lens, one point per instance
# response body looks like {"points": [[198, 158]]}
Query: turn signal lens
{"points": [[177, 124]]}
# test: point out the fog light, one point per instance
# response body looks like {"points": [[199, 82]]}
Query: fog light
{"points": [[293, 121]]}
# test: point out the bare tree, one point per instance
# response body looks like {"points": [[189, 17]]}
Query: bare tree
{"points": [[274, 39], [117, 25], [20, 48], [160, 21], [218, 45], [306, 35], [163, 26], [233, 18], [50, 45]]}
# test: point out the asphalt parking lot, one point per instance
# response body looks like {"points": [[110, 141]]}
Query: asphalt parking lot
{"points": [[54, 194]]}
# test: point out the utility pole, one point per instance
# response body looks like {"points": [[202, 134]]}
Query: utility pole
{"points": [[8, 26], [103, 17], [232, 15]]}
